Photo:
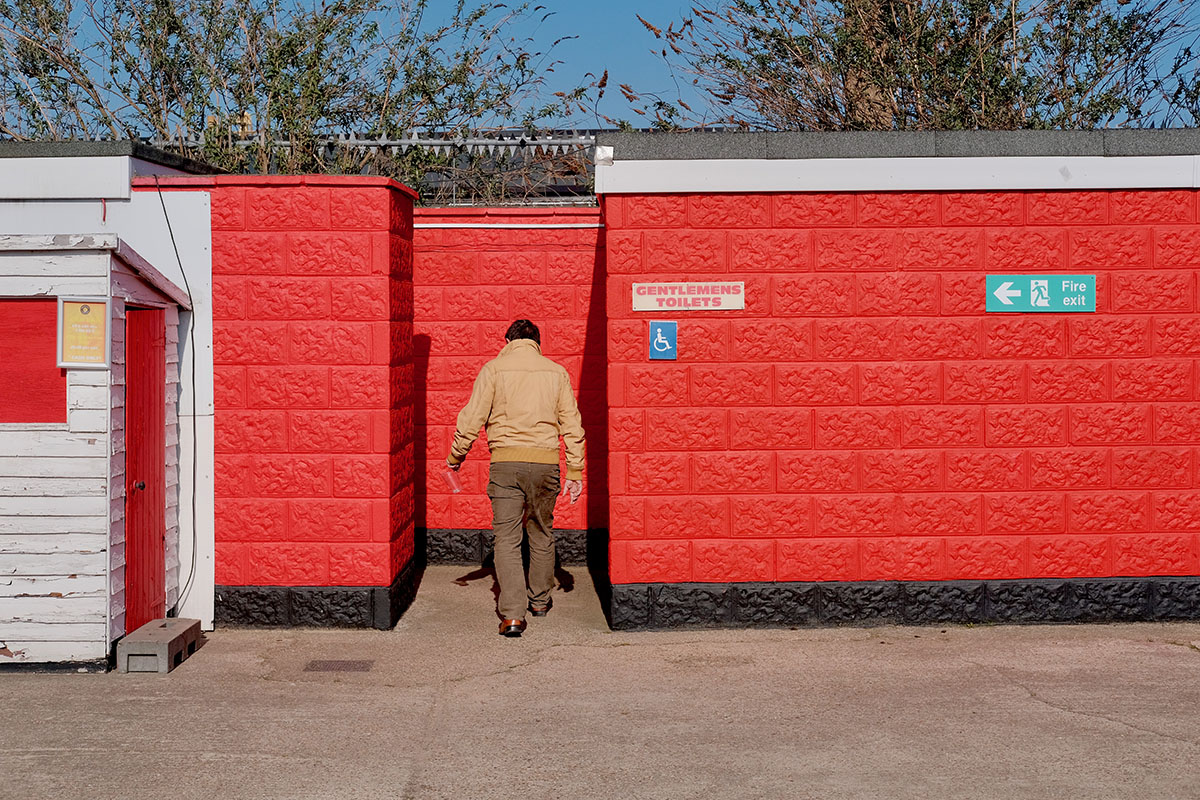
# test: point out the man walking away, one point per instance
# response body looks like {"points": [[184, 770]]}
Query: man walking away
{"points": [[525, 403]]}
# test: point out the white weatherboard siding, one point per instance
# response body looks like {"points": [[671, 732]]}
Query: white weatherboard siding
{"points": [[116, 479], [138, 219], [18, 524], [60, 441], [42, 275], [54, 523], [51, 486], [62, 486]]}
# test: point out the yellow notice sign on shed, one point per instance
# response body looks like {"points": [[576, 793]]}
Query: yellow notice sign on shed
{"points": [[82, 332]]}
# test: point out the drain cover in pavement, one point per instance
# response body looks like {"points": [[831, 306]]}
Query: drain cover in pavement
{"points": [[338, 666]]}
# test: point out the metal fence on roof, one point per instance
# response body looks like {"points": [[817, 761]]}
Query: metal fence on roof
{"points": [[501, 167]]}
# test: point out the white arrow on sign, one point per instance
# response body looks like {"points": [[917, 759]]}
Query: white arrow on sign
{"points": [[1004, 293]]}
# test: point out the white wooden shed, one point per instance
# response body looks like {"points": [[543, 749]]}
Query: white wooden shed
{"points": [[89, 441]]}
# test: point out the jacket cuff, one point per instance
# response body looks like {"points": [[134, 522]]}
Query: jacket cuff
{"points": [[453, 459], [574, 474]]}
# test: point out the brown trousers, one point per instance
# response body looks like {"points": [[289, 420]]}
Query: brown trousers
{"points": [[523, 497]]}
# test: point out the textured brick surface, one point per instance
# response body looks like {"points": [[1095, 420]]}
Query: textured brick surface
{"points": [[762, 604], [471, 282], [313, 352], [864, 419]]}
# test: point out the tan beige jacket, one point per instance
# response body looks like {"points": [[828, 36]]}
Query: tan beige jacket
{"points": [[525, 401]]}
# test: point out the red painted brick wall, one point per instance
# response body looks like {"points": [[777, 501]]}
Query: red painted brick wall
{"points": [[312, 288], [864, 419], [470, 283]]}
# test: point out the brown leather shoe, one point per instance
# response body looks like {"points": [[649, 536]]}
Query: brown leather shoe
{"points": [[512, 627], [540, 611]]}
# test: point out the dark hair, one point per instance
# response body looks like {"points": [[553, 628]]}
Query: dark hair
{"points": [[523, 329]]}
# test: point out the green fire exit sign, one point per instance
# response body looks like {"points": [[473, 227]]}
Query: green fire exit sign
{"points": [[1041, 293]]}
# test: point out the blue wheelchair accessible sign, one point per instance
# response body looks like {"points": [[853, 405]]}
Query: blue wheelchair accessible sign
{"points": [[662, 340], [1041, 293]]}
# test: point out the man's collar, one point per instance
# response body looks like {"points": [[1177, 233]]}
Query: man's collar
{"points": [[515, 343]]}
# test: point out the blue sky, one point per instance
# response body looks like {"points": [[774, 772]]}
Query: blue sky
{"points": [[609, 37]]}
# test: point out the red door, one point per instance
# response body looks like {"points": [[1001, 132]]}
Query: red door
{"points": [[145, 466]]}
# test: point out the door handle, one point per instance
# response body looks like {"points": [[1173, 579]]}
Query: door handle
{"points": [[140, 485]]}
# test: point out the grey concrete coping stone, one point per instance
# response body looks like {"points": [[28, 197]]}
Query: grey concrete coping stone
{"points": [[90, 149], [849, 144], [1162, 142], [689, 145], [1019, 143], [644, 146]]}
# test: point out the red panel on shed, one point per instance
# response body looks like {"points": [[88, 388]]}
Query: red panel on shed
{"points": [[32, 387]]}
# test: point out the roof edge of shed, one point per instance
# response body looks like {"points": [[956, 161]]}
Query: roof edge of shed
{"points": [[92, 242]]}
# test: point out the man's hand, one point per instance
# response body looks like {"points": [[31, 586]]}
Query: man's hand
{"points": [[453, 466], [573, 488]]}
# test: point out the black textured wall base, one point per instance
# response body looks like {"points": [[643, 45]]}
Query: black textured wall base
{"points": [[319, 606], [469, 546], [90, 665], [748, 605]]}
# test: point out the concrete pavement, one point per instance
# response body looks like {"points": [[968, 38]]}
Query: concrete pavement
{"points": [[449, 709]]}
